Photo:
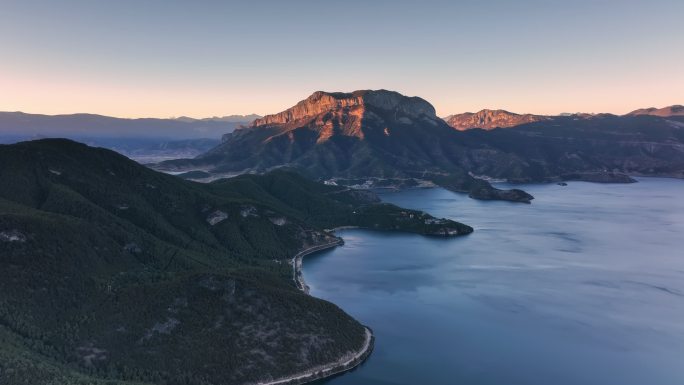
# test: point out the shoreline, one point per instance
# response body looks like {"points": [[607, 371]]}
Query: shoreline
{"points": [[343, 228], [324, 371], [296, 263], [345, 363]]}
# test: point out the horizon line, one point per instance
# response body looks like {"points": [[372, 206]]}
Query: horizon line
{"points": [[218, 116]]}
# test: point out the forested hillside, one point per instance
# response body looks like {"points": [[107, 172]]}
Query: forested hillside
{"points": [[113, 273]]}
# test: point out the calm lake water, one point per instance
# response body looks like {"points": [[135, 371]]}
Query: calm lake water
{"points": [[584, 286]]}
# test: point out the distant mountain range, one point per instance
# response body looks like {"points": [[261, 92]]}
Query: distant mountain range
{"points": [[596, 147], [19, 124], [147, 140], [600, 148], [229, 118], [491, 119], [382, 138], [375, 138]]}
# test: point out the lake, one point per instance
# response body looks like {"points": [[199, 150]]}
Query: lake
{"points": [[583, 286]]}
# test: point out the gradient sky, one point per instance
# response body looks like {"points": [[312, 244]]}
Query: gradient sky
{"points": [[167, 58]]}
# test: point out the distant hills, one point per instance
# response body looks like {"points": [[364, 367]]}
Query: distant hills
{"points": [[598, 148], [112, 273], [490, 119], [676, 110], [595, 147], [19, 124]]}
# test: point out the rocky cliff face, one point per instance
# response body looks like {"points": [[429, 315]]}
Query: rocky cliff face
{"points": [[490, 119], [330, 102], [370, 133]]}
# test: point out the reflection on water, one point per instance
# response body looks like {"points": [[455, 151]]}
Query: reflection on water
{"points": [[584, 286]]}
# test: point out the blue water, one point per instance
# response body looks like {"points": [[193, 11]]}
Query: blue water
{"points": [[584, 286]]}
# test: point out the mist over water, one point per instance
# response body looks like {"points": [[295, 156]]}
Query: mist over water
{"points": [[584, 286]]}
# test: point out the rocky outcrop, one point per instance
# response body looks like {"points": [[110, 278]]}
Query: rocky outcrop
{"points": [[12, 236], [278, 221], [323, 102], [490, 119], [216, 217], [362, 133]]}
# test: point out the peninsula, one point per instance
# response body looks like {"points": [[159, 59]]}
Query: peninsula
{"points": [[115, 273]]}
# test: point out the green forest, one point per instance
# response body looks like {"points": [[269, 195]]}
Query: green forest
{"points": [[112, 273]]}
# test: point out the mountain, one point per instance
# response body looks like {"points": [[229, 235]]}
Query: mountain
{"points": [[19, 124], [242, 119], [490, 119], [145, 140], [597, 148], [112, 273], [590, 147], [381, 138], [675, 110], [347, 136]]}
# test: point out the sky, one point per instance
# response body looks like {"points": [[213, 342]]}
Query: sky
{"points": [[164, 58]]}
